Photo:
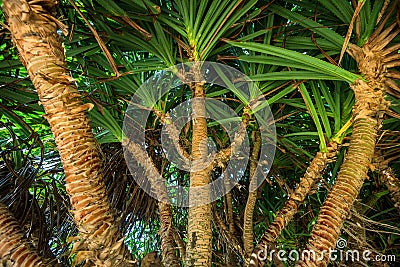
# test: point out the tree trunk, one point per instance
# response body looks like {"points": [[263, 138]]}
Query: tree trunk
{"points": [[285, 215], [34, 32], [248, 234], [168, 250], [15, 250], [369, 103], [198, 249]]}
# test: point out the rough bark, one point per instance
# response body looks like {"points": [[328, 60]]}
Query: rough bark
{"points": [[369, 103], [285, 215], [15, 250], [34, 33], [341, 198], [248, 234], [198, 249], [167, 239], [150, 260], [168, 250]]}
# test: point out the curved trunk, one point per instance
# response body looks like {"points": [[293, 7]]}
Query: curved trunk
{"points": [[34, 32], [15, 250], [248, 234], [168, 250], [285, 215], [347, 186], [369, 103], [198, 249], [373, 61]]}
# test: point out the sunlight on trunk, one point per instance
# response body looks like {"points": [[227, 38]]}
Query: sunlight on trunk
{"points": [[198, 250], [34, 33], [284, 216], [369, 104], [14, 248]]}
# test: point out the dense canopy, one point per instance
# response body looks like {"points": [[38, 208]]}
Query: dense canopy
{"points": [[93, 93]]}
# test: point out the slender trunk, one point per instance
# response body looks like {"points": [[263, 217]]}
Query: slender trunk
{"points": [[168, 250], [248, 234], [15, 250], [34, 32], [167, 239], [198, 249], [229, 210], [285, 215]]}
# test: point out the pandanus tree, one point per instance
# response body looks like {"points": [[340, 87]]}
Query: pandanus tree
{"points": [[374, 58], [15, 250], [322, 77], [34, 33]]}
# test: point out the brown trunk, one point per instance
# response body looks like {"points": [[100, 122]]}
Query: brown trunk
{"points": [[248, 234], [198, 249], [231, 259], [285, 215], [167, 239], [15, 250], [168, 250], [369, 103], [339, 201], [34, 32]]}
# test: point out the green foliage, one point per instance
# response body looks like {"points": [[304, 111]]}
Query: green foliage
{"points": [[288, 48]]}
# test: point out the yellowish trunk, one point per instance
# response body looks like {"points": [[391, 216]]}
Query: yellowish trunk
{"points": [[248, 234], [285, 215], [198, 249], [14, 248], [34, 32], [369, 103]]}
